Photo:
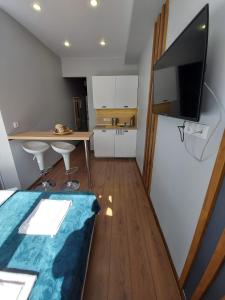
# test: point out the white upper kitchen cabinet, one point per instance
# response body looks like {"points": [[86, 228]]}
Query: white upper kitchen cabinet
{"points": [[125, 143], [104, 88], [115, 91], [104, 143], [126, 91]]}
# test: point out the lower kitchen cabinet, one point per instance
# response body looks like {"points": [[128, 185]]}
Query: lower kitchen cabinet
{"points": [[115, 143], [125, 143], [104, 143]]}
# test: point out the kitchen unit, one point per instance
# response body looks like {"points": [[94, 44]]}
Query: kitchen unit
{"points": [[115, 102], [115, 91], [115, 142]]}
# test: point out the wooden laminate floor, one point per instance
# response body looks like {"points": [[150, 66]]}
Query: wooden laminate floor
{"points": [[128, 260]]}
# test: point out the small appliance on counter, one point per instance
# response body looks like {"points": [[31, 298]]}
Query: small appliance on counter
{"points": [[132, 121], [115, 121]]}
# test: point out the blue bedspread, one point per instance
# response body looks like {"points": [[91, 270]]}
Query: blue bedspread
{"points": [[60, 261]]}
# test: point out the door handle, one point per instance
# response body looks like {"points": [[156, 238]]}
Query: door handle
{"points": [[125, 105]]}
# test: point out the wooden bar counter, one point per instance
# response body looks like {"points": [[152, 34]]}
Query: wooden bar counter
{"points": [[50, 136]]}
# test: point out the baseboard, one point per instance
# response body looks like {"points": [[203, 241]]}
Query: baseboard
{"points": [[163, 237]]}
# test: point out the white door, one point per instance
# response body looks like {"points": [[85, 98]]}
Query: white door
{"points": [[125, 143], [103, 91], [126, 91], [104, 143]]}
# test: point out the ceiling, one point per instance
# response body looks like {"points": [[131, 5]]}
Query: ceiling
{"points": [[142, 23], [123, 23]]}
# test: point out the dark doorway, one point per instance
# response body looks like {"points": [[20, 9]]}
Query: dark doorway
{"points": [[79, 98]]}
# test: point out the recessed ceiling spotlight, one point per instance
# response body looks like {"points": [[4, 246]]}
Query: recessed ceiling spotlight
{"points": [[36, 6], [67, 44], [103, 43], [94, 3], [203, 26]]}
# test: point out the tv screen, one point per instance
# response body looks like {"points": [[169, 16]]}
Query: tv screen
{"points": [[179, 74]]}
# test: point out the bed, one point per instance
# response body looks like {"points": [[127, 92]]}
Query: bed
{"points": [[60, 261]]}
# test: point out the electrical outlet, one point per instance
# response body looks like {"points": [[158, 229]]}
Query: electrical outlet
{"points": [[107, 119], [16, 124], [196, 129], [188, 128]]}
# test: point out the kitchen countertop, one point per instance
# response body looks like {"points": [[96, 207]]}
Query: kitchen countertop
{"points": [[115, 127], [50, 136]]}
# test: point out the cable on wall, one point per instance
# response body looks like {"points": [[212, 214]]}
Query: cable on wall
{"points": [[220, 107], [181, 131]]}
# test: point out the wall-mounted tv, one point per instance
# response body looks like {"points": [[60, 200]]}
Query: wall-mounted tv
{"points": [[179, 73]]}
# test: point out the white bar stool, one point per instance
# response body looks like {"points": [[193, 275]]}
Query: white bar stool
{"points": [[37, 149], [65, 149]]}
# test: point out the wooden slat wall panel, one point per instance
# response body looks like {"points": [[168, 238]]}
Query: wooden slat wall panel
{"points": [[159, 34], [159, 44], [212, 269], [149, 114], [208, 206], [153, 119], [149, 128], [166, 8], [161, 31], [154, 131]]}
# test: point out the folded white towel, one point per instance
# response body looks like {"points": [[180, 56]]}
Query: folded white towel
{"points": [[46, 218], [16, 286], [4, 195], [9, 290]]}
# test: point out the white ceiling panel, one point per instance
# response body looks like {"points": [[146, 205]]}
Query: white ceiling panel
{"points": [[78, 22]]}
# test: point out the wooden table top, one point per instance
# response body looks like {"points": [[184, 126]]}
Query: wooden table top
{"points": [[50, 136]]}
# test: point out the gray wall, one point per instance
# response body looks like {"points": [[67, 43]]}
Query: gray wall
{"points": [[179, 182], [33, 93]]}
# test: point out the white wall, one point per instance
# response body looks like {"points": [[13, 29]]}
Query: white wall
{"points": [[179, 182], [88, 67], [32, 93]]}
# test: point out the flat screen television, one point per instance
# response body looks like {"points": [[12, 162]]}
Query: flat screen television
{"points": [[178, 76]]}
